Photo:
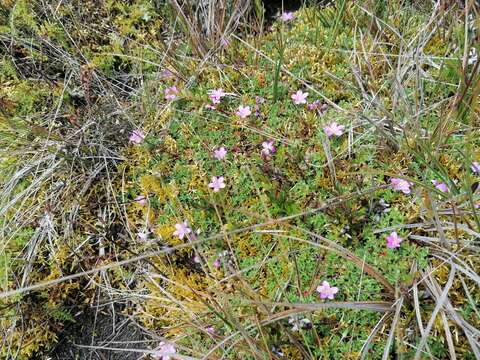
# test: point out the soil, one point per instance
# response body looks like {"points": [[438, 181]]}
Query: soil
{"points": [[95, 333]]}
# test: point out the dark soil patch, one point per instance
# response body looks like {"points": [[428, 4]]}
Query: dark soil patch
{"points": [[97, 330]]}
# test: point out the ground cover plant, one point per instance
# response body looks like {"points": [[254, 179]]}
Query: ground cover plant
{"points": [[236, 186]]}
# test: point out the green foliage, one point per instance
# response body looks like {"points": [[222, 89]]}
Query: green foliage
{"points": [[22, 18], [61, 315]]}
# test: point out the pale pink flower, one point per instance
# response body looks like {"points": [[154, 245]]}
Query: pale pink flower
{"points": [[196, 259], [220, 153], [137, 136], [210, 330], [268, 148], [216, 95], [217, 183], [141, 200], [243, 111], [217, 263], [401, 185], [299, 97], [393, 240], [287, 16], [333, 129], [210, 107], [171, 93], [182, 230], [165, 351], [475, 167], [440, 186], [326, 291]]}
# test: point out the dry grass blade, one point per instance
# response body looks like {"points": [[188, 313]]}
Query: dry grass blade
{"points": [[462, 266], [438, 224], [439, 304], [416, 305], [256, 352], [393, 328], [373, 333], [448, 335], [192, 29], [470, 331]]}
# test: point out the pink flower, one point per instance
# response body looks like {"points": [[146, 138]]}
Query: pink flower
{"points": [[210, 107], [326, 291], [393, 240], [217, 183], [217, 263], [196, 259], [216, 95], [299, 97], [164, 351], [220, 153], [137, 136], [210, 330], [475, 167], [287, 16], [401, 185], [171, 93], [243, 111], [182, 230], [141, 200], [268, 148], [440, 186], [334, 129]]}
